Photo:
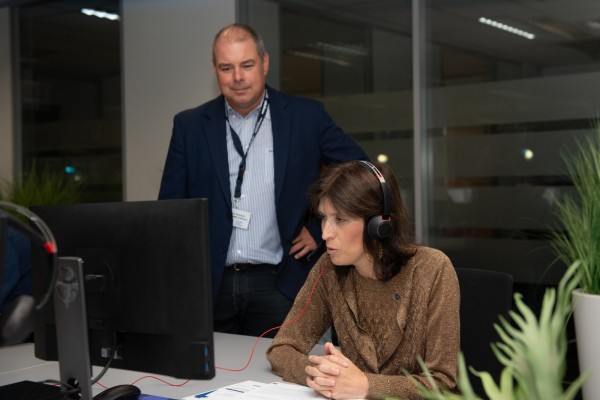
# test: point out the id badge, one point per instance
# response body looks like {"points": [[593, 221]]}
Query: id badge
{"points": [[241, 218]]}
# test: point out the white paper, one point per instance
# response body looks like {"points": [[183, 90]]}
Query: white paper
{"points": [[251, 390], [234, 391], [282, 390]]}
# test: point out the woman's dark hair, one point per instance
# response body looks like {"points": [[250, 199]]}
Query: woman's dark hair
{"points": [[353, 188]]}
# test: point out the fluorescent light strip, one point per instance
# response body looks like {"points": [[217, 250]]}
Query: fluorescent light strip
{"points": [[507, 28], [332, 60], [342, 49], [100, 14]]}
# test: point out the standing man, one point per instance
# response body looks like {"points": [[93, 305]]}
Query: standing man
{"points": [[253, 152]]}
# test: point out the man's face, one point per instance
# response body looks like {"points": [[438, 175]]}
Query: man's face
{"points": [[241, 73]]}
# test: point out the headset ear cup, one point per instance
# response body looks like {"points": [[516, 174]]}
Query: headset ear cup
{"points": [[379, 228]]}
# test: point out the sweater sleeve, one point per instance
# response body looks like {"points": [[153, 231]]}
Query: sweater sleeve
{"points": [[304, 325]]}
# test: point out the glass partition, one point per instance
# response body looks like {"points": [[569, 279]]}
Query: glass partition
{"points": [[509, 88], [512, 87], [360, 69]]}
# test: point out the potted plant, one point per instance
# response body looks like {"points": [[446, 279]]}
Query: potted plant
{"points": [[579, 216]]}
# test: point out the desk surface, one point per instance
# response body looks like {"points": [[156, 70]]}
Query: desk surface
{"points": [[18, 363]]}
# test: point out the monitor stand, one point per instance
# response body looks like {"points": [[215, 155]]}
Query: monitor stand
{"points": [[71, 336], [71, 327]]}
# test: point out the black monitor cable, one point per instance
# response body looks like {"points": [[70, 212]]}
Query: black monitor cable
{"points": [[107, 366]]}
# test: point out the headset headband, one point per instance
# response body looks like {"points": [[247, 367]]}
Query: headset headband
{"points": [[384, 188]]}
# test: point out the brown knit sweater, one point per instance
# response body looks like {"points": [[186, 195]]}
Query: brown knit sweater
{"points": [[382, 327]]}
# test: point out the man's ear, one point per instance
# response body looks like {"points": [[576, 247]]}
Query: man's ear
{"points": [[266, 63]]}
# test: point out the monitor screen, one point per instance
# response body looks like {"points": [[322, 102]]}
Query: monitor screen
{"points": [[147, 284]]}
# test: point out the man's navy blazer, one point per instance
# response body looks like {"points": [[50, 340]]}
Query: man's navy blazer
{"points": [[304, 138]]}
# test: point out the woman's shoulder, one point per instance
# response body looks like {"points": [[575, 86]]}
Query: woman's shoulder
{"points": [[430, 253], [433, 259]]}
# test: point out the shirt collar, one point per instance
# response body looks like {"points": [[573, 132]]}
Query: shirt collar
{"points": [[252, 114]]}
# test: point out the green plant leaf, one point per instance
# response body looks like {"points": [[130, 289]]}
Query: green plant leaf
{"points": [[41, 187]]}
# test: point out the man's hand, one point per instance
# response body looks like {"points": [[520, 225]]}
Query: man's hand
{"points": [[302, 244], [336, 377]]}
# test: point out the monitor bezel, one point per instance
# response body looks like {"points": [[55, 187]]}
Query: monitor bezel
{"points": [[159, 309]]}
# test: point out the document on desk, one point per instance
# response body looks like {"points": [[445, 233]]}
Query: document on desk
{"points": [[282, 390], [250, 390], [234, 391]]}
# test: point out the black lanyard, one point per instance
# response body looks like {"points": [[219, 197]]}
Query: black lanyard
{"points": [[237, 143]]}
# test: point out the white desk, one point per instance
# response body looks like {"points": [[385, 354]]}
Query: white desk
{"points": [[18, 363]]}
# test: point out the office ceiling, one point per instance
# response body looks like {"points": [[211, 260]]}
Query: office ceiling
{"points": [[567, 32]]}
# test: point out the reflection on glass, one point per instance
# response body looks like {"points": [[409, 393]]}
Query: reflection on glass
{"points": [[71, 94], [359, 66]]}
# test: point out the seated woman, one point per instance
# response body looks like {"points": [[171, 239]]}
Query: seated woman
{"points": [[389, 300]]}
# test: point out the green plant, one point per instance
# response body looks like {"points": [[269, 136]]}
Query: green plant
{"points": [[41, 187], [580, 215], [532, 351]]}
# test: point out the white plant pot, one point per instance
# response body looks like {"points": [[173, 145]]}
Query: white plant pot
{"points": [[587, 332]]}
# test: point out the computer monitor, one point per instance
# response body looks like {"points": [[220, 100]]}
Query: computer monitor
{"points": [[147, 284]]}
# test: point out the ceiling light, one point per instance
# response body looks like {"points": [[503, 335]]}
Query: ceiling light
{"points": [[382, 158], [342, 48], [100, 14], [594, 24], [507, 28], [320, 57], [527, 153]]}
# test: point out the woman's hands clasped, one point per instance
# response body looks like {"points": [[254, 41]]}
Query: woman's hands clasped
{"points": [[336, 377]]}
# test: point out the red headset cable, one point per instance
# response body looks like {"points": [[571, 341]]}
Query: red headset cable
{"points": [[295, 319]]}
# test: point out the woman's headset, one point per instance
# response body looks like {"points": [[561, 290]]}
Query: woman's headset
{"points": [[380, 226]]}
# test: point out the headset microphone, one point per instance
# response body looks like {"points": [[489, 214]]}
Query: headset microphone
{"points": [[380, 226]]}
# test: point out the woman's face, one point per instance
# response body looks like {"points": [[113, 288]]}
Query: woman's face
{"points": [[343, 235]]}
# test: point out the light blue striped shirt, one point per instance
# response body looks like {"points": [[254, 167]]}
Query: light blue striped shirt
{"points": [[260, 243]]}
